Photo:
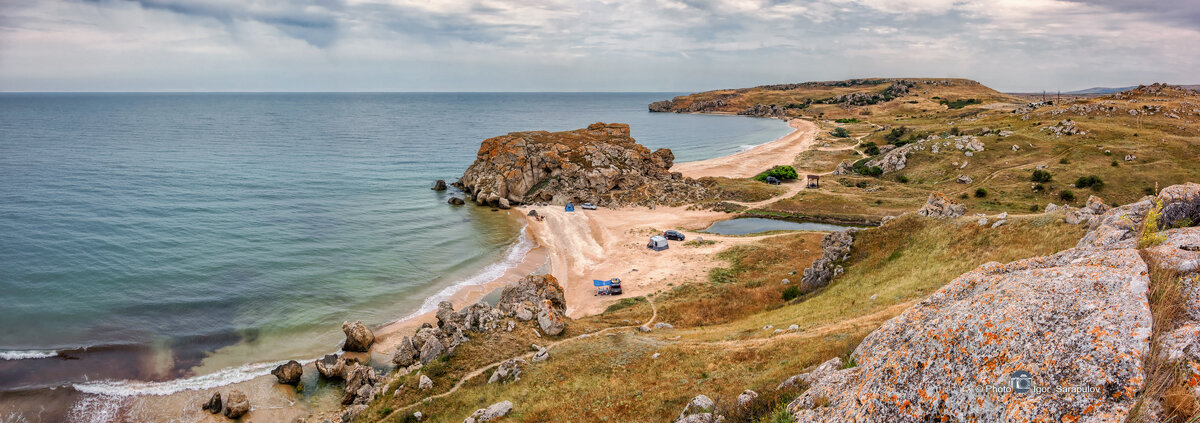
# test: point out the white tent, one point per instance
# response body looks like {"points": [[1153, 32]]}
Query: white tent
{"points": [[657, 243]]}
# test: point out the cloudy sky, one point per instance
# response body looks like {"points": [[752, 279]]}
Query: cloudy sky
{"points": [[587, 45]]}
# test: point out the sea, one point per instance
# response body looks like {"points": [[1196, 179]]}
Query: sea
{"points": [[203, 237]]}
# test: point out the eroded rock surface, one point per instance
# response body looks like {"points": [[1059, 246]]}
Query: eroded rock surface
{"points": [[939, 206], [358, 337], [835, 248]]}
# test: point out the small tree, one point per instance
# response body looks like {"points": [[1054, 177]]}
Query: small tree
{"points": [[840, 133], [980, 192], [1041, 176], [1067, 195]]}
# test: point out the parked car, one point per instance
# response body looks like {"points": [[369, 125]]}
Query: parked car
{"points": [[615, 288], [587, 206], [673, 235]]}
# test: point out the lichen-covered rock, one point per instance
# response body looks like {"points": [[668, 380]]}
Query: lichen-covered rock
{"points": [[529, 293], [746, 396], [1078, 319], [600, 164], [835, 248], [431, 349], [358, 337], [939, 206], [508, 371], [493, 412], [236, 404], [289, 373], [1180, 204], [821, 372], [1116, 228], [551, 319], [424, 383]]}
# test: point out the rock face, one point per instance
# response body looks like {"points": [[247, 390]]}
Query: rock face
{"points": [[763, 110], [358, 337], [835, 248], [1073, 327], [289, 373], [493, 412], [551, 319], [893, 160], [522, 298], [360, 385], [939, 206], [601, 164], [1180, 203], [406, 353], [213, 405], [236, 405]]}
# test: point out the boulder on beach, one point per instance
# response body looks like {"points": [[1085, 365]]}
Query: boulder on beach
{"points": [[236, 405], [213, 405], [289, 373], [358, 337], [440, 185], [332, 366]]}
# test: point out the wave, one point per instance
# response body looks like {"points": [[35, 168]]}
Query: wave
{"points": [[127, 388], [27, 355], [515, 255], [746, 147]]}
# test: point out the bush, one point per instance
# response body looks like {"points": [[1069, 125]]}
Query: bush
{"points": [[870, 149], [1067, 195], [783, 172], [980, 192], [1039, 187], [902, 179], [1034, 208], [791, 293], [840, 133], [1148, 191], [1094, 182], [964, 196], [1115, 164], [1041, 176], [849, 120], [1149, 236], [958, 104], [1064, 161], [896, 134]]}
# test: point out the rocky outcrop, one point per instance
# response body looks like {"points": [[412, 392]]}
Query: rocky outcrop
{"points": [[439, 185], [213, 405], [424, 383], [939, 206], [844, 168], [661, 106], [964, 179], [746, 397], [236, 404], [893, 160], [523, 297], [360, 385], [1094, 208], [406, 353], [763, 110], [551, 319], [358, 337], [455, 201], [508, 371], [1056, 338], [289, 373], [332, 366], [493, 412], [835, 248], [1180, 203], [601, 164]]}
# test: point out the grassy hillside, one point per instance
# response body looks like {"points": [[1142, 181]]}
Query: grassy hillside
{"points": [[719, 346]]}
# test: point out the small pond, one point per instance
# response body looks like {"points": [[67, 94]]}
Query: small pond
{"points": [[753, 225]]}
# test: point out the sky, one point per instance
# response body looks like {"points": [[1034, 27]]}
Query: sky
{"points": [[587, 45]]}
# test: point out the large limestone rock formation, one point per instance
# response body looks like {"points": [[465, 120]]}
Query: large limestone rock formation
{"points": [[289, 373], [1056, 338], [358, 337], [601, 164]]}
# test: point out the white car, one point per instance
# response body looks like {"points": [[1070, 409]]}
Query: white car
{"points": [[587, 206]]}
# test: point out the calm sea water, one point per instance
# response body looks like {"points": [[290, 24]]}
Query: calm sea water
{"points": [[161, 228]]}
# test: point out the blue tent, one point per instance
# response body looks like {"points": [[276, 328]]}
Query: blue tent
{"points": [[570, 207], [597, 282]]}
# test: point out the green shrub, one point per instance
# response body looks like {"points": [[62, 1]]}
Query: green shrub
{"points": [[980, 192], [1066, 195], [1041, 176], [1034, 208], [1148, 191], [896, 134], [902, 179], [869, 148], [847, 120], [791, 293], [958, 104], [840, 133], [783, 172], [1115, 164], [1094, 182], [1064, 161]]}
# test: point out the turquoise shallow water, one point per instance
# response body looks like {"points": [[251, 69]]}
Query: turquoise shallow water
{"points": [[168, 226]]}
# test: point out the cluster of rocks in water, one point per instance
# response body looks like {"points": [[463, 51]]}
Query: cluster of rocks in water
{"points": [[1075, 325], [601, 164], [235, 404]]}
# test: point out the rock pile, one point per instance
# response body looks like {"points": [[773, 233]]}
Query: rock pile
{"points": [[600, 164], [939, 206], [835, 248]]}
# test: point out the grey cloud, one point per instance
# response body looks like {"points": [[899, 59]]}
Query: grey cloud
{"points": [[1185, 13], [313, 21]]}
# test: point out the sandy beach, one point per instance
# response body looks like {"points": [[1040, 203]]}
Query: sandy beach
{"points": [[755, 160]]}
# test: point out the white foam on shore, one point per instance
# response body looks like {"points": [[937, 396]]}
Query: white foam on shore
{"points": [[747, 147], [516, 254], [127, 388], [27, 355]]}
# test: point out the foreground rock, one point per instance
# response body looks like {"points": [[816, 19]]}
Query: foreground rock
{"points": [[289, 373], [601, 164], [835, 248], [493, 412], [358, 337], [939, 206], [699, 410], [360, 385], [237, 405], [1056, 338]]}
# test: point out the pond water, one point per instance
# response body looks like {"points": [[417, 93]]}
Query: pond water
{"points": [[753, 225]]}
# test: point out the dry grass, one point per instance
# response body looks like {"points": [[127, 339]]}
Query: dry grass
{"points": [[1166, 380], [742, 189]]}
